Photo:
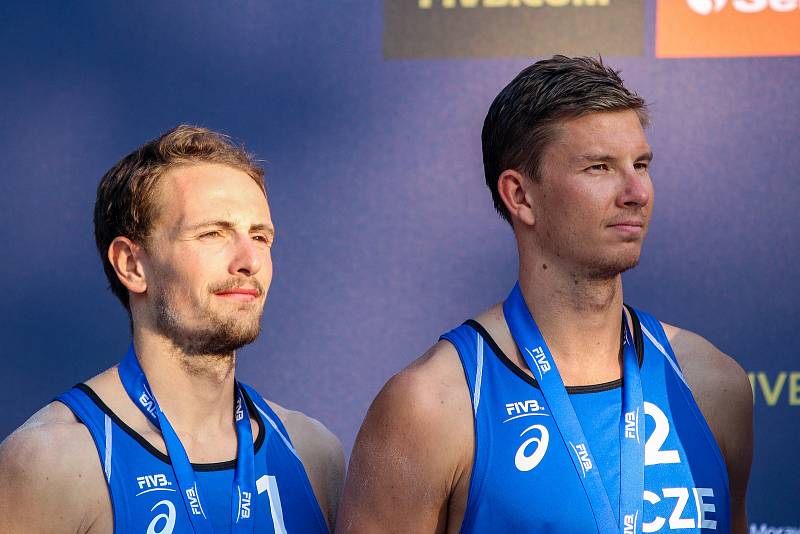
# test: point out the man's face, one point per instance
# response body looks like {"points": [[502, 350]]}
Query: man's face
{"points": [[594, 200], [209, 258]]}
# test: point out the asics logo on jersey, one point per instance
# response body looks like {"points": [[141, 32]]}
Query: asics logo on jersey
{"points": [[164, 522], [525, 461], [539, 359], [153, 481], [632, 425], [583, 457], [706, 7]]}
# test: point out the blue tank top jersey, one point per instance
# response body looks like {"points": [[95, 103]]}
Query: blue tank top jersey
{"points": [[523, 479], [144, 492]]}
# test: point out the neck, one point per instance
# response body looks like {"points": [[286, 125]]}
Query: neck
{"points": [[194, 391], [579, 317]]}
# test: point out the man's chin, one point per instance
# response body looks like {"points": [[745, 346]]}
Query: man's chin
{"points": [[220, 339], [612, 269]]}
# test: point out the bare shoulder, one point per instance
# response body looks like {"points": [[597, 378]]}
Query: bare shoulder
{"points": [[708, 370], [50, 458], [321, 453], [413, 451], [720, 387], [430, 398], [723, 393]]}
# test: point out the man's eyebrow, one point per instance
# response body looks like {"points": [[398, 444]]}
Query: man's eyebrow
{"points": [[216, 222], [262, 227], [646, 156], [220, 223]]}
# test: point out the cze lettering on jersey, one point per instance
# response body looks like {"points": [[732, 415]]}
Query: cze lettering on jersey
{"points": [[701, 502], [153, 481]]}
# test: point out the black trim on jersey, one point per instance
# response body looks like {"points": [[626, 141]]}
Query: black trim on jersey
{"points": [[592, 388], [216, 466]]}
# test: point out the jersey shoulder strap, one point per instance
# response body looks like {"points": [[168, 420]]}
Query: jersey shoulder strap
{"points": [[96, 420], [469, 344], [273, 422], [285, 468], [653, 332]]}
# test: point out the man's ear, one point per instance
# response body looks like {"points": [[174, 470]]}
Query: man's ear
{"points": [[511, 185], [126, 258]]}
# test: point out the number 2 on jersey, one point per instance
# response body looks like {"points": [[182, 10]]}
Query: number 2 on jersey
{"points": [[653, 455]]}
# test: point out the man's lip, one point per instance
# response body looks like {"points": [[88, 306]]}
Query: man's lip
{"points": [[634, 222], [239, 291]]}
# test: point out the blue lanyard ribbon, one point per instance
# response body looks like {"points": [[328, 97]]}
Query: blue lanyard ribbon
{"points": [[537, 356], [244, 480]]}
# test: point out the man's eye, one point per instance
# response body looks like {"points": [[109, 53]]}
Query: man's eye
{"points": [[262, 239], [211, 234], [599, 167], [641, 166]]}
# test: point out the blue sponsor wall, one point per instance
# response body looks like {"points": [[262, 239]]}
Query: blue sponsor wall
{"points": [[386, 235]]}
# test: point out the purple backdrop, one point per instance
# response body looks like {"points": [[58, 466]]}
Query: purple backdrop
{"points": [[385, 233]]}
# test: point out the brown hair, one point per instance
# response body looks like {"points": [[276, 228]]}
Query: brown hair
{"points": [[522, 119], [126, 203]]}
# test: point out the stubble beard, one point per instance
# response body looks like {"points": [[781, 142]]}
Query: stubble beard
{"points": [[214, 336], [610, 268]]}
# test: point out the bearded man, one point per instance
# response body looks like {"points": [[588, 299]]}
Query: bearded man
{"points": [[184, 231]]}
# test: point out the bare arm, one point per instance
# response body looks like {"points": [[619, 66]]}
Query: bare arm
{"points": [[322, 456], [722, 391], [50, 478], [412, 452]]}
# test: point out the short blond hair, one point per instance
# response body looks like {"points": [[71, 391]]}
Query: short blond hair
{"points": [[126, 196]]}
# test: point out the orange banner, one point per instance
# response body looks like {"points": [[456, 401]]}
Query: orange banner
{"points": [[727, 28]]}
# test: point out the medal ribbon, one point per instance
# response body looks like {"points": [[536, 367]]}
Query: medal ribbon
{"points": [[244, 480], [537, 356]]}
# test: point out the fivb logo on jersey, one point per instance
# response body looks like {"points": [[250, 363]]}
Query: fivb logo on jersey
{"points": [[727, 28], [153, 482]]}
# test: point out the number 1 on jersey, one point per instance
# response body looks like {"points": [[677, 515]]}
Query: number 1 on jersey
{"points": [[269, 484]]}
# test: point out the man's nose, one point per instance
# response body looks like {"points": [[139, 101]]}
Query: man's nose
{"points": [[636, 191], [246, 258]]}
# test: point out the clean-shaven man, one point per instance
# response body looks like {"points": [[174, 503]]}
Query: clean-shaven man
{"points": [[560, 409]]}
